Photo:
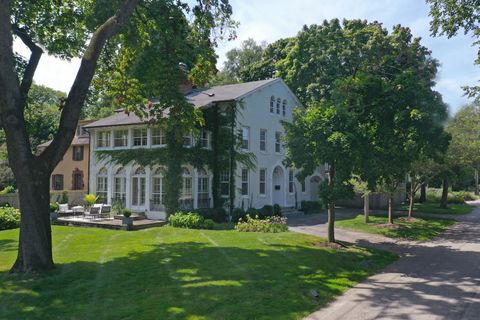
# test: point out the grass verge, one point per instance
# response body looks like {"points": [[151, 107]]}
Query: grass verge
{"points": [[434, 207], [412, 229]]}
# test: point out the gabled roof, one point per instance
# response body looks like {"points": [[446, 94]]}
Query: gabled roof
{"points": [[198, 97]]}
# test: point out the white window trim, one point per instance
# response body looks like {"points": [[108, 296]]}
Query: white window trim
{"points": [[260, 141], [248, 183], [132, 134], [262, 195]]}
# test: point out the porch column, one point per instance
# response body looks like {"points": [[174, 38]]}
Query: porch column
{"points": [[194, 188], [128, 186], [148, 181], [110, 185]]}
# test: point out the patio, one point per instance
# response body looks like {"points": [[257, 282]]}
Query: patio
{"points": [[108, 223]]}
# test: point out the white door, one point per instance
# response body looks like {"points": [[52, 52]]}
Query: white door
{"points": [[138, 190], [278, 186]]}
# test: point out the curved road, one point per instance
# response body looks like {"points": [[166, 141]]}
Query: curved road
{"points": [[436, 279]]}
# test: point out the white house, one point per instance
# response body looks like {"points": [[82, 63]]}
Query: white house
{"points": [[264, 105]]}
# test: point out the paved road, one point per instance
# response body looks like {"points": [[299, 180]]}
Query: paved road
{"points": [[438, 279]]}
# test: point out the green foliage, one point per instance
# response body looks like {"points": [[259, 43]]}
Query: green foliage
{"points": [[434, 207], [90, 199], [218, 215], [126, 212], [6, 175], [237, 214], [8, 189], [449, 17], [54, 206], [309, 207], [188, 220], [458, 197], [239, 59], [64, 197], [208, 224], [272, 224], [9, 218]]}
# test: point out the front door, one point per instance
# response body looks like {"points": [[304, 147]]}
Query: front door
{"points": [[278, 186]]}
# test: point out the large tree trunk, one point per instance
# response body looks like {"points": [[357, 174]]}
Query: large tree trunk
{"points": [[366, 206], [444, 200], [390, 208], [476, 182], [423, 193], [331, 206], [35, 240]]}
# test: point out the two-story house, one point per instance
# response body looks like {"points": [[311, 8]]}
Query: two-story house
{"points": [[262, 107], [71, 173]]}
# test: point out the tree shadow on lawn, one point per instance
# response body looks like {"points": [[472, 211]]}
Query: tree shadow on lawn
{"points": [[190, 280], [8, 245]]}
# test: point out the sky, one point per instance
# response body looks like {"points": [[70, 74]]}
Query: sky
{"points": [[270, 20]]}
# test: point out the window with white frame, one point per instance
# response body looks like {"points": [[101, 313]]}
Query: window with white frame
{"points": [[278, 142], [120, 138], [263, 181], [204, 139], [272, 104], [139, 137], [187, 185], [203, 189], [103, 139], [102, 185], [225, 183], [119, 185], [245, 138], [244, 182], [284, 107], [158, 190], [263, 140], [291, 187], [158, 137], [279, 101], [187, 140]]}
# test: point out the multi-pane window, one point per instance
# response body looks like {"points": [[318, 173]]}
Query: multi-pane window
{"points": [[245, 138], [102, 185], [272, 104], [279, 101], [120, 138], [263, 140], [278, 142], [158, 190], [187, 185], [57, 182], [103, 139], [187, 140], [119, 185], [284, 107], [263, 179], [204, 139], [203, 189], [158, 137], [225, 183], [244, 182], [77, 180], [291, 187], [77, 154], [140, 137]]}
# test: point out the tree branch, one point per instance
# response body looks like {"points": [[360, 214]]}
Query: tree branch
{"points": [[76, 97], [36, 53]]}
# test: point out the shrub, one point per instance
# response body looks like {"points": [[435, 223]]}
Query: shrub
{"points": [[90, 199], [9, 218], [126, 212], [251, 212], [237, 214], [8, 189], [309, 207], [208, 224], [216, 214], [189, 220], [277, 211], [54, 207], [64, 197], [272, 224]]}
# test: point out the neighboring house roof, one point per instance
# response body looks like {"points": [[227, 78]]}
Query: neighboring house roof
{"points": [[198, 97], [77, 141]]}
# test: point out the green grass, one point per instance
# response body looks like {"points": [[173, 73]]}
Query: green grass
{"points": [[417, 229], [434, 207], [169, 273]]}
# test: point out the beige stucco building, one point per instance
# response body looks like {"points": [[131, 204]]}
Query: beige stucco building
{"points": [[71, 173]]}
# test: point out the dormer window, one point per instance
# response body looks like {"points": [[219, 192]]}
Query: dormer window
{"points": [[272, 104]]}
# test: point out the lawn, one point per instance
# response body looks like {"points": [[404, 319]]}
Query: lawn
{"points": [[169, 273], [415, 229], [434, 207]]}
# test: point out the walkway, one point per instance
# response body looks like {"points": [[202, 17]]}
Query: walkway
{"points": [[438, 279]]}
